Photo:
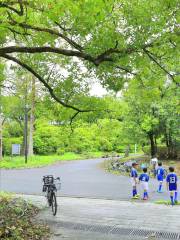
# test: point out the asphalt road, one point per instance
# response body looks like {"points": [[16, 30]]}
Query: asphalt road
{"points": [[82, 178]]}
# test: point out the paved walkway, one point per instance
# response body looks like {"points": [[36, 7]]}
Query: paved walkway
{"points": [[83, 218], [79, 178]]}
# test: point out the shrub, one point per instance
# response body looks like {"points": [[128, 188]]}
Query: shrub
{"points": [[105, 145], [120, 149], [7, 144], [147, 150], [60, 151], [162, 152], [46, 139]]}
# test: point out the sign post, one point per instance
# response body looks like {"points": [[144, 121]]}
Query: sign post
{"points": [[16, 149], [135, 148]]}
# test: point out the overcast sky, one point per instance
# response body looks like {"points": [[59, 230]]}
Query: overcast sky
{"points": [[97, 90]]}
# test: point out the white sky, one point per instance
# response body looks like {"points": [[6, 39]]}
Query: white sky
{"points": [[97, 90]]}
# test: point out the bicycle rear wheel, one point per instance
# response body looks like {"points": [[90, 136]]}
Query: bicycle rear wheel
{"points": [[54, 203]]}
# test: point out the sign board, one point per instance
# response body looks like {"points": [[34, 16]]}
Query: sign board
{"points": [[16, 149]]}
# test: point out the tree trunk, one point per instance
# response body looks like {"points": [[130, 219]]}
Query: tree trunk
{"points": [[169, 144], [155, 142], [2, 120], [171, 147], [32, 118], [1, 137], [127, 151], [153, 145]]}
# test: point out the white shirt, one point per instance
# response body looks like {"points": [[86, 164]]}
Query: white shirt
{"points": [[154, 161]]}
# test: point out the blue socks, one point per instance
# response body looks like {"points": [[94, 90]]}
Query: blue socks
{"points": [[145, 195], [134, 192], [160, 187], [174, 198], [172, 201], [176, 195]]}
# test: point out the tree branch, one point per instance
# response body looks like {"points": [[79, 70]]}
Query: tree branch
{"points": [[47, 30], [65, 52], [71, 120], [150, 55], [127, 70], [19, 12], [51, 91]]}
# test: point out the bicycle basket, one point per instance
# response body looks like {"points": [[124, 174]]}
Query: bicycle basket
{"points": [[48, 179], [58, 184]]}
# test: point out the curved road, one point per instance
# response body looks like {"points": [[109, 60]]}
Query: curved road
{"points": [[83, 178]]}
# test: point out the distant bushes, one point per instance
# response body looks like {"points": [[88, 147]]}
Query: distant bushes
{"points": [[103, 136], [147, 150], [60, 151], [7, 144], [163, 152]]}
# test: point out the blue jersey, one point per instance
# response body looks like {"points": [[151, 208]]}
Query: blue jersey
{"points": [[134, 173], [144, 177], [160, 173], [172, 181]]}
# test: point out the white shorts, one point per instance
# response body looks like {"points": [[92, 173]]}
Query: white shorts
{"points": [[133, 182], [144, 185]]}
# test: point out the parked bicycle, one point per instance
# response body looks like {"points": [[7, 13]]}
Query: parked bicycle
{"points": [[121, 167], [50, 186]]}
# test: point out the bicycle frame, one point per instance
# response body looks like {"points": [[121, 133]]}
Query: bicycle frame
{"points": [[50, 188]]}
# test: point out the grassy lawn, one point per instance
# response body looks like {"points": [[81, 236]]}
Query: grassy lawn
{"points": [[17, 220], [39, 161], [165, 202]]}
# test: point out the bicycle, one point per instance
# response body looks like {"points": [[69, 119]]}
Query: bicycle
{"points": [[50, 186]]}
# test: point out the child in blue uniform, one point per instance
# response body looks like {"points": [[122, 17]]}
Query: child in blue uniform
{"points": [[172, 185], [134, 180], [144, 179], [160, 172]]}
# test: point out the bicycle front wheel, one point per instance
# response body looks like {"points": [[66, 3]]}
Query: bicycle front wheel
{"points": [[54, 203]]}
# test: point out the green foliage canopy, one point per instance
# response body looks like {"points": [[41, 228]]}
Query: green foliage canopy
{"points": [[105, 38]]}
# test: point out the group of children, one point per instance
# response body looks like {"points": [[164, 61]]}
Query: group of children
{"points": [[143, 179]]}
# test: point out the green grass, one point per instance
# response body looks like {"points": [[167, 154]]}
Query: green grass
{"points": [[39, 161], [165, 202], [131, 158], [6, 195]]}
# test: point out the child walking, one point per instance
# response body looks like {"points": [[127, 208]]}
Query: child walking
{"points": [[134, 180], [160, 172], [171, 181], [144, 179]]}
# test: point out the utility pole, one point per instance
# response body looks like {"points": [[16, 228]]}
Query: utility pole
{"points": [[26, 110]]}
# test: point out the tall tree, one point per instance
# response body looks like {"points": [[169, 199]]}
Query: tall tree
{"points": [[32, 116], [152, 110], [108, 38]]}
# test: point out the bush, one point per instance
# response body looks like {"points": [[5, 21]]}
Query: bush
{"points": [[7, 144], [147, 150], [16, 218], [46, 139], [162, 152], [120, 149], [60, 151], [105, 145]]}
